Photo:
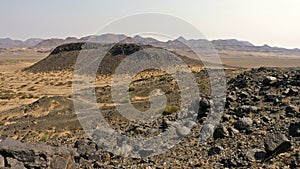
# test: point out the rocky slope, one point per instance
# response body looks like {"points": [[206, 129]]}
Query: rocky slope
{"points": [[260, 128]]}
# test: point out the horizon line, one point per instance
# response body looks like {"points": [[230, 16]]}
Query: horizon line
{"points": [[121, 34]]}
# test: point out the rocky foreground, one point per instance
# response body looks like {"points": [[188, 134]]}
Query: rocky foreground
{"points": [[260, 128]]}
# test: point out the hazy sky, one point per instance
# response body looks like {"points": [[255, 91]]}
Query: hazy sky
{"points": [[275, 22]]}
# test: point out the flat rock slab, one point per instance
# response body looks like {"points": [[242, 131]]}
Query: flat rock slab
{"points": [[18, 154], [276, 143]]}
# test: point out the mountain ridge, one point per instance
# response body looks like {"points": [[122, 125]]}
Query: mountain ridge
{"points": [[10, 43], [219, 44]]}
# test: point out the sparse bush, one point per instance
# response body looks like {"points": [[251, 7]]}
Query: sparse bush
{"points": [[7, 96], [31, 89], [59, 84], [22, 95], [204, 86], [23, 86], [131, 88], [44, 137], [170, 110], [30, 96], [162, 78]]}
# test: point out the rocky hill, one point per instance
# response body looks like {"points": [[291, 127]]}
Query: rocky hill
{"points": [[55, 42], [64, 57]]}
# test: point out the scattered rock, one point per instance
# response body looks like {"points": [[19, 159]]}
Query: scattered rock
{"points": [[256, 98], [271, 98], [166, 123], [204, 103], [230, 162], [244, 94], [60, 162], [226, 117], [220, 132], [294, 129], [270, 80], [255, 154], [86, 163], [245, 109], [266, 119], [182, 131], [13, 163], [290, 92], [2, 161], [276, 143], [215, 150], [85, 147], [232, 131], [190, 124], [243, 123], [291, 111], [230, 98]]}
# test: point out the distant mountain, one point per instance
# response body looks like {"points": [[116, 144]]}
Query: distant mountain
{"points": [[9, 43], [54, 42], [178, 44], [233, 44], [228, 44], [144, 41], [32, 42], [105, 38]]}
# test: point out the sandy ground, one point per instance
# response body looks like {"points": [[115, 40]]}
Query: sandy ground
{"points": [[24, 87], [11, 63], [258, 59]]}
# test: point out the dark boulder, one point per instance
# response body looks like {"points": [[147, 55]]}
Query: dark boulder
{"points": [[291, 111], [215, 150], [276, 143], [220, 132], [294, 129], [255, 154], [245, 109], [243, 123], [204, 103], [269, 80]]}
